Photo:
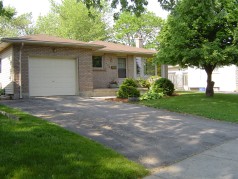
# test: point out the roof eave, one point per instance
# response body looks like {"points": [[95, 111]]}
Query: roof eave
{"points": [[4, 45], [90, 46], [140, 54]]}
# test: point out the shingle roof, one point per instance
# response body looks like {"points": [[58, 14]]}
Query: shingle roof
{"points": [[98, 46], [50, 40], [124, 49]]}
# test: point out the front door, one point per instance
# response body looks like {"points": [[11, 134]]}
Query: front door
{"points": [[121, 69]]}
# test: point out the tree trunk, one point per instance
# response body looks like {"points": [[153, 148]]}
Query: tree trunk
{"points": [[210, 84]]}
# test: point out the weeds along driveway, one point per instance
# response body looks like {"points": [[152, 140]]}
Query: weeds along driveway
{"points": [[149, 136]]}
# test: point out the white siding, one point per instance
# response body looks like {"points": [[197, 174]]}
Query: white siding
{"points": [[6, 75], [224, 78]]}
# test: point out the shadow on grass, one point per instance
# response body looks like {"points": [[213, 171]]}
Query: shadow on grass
{"points": [[33, 148], [151, 137]]}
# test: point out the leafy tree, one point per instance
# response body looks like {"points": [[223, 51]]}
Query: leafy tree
{"points": [[5, 12], [137, 7], [129, 26], [70, 20], [201, 34], [168, 4], [16, 25]]}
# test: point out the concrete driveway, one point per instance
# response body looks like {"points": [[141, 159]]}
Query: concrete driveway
{"points": [[151, 137]]}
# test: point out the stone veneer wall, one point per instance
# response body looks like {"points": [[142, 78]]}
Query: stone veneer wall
{"points": [[84, 61]]}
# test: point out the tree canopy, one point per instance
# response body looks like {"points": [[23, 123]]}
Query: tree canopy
{"points": [[8, 13], [70, 20], [136, 7], [16, 25], [168, 4], [201, 34], [129, 26]]}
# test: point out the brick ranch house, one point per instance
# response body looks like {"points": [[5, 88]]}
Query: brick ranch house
{"points": [[42, 65]]}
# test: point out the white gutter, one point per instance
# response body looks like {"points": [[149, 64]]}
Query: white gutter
{"points": [[20, 69]]}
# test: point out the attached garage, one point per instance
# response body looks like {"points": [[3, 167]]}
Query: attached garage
{"points": [[52, 76], [43, 65]]}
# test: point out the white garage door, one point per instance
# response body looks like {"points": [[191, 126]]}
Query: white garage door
{"points": [[50, 76]]}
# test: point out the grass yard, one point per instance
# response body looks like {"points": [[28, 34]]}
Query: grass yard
{"points": [[221, 107], [34, 148]]}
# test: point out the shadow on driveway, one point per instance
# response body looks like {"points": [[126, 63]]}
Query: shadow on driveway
{"points": [[149, 136]]}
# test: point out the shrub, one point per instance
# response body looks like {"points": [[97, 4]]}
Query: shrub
{"points": [[130, 82], [2, 91], [143, 83], [163, 85], [127, 91], [152, 79], [150, 95]]}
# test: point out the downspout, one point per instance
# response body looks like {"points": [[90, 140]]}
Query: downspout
{"points": [[20, 69]]}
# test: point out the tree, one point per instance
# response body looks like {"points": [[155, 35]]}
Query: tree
{"points": [[128, 26], [136, 7], [168, 4], [202, 34], [5, 12], [70, 20], [16, 25]]}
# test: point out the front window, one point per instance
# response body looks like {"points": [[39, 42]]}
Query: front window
{"points": [[97, 62]]}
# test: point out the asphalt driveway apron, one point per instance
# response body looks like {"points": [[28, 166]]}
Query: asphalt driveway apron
{"points": [[149, 136]]}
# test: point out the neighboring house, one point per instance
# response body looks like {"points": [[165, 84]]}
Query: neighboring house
{"points": [[42, 65], [225, 78]]}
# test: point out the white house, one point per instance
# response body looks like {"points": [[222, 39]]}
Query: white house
{"points": [[225, 78]]}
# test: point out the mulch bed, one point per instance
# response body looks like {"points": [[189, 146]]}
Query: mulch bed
{"points": [[126, 100], [117, 100]]}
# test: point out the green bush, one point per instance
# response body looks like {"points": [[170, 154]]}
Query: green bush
{"points": [[143, 83], [127, 91], [152, 79], [2, 91], [130, 82], [163, 85], [150, 95]]}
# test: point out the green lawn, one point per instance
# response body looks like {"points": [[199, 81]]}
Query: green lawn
{"points": [[34, 148], [221, 107]]}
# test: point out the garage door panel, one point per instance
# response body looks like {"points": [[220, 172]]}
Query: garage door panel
{"points": [[49, 76]]}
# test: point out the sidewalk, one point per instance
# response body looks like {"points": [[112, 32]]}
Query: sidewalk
{"points": [[220, 162]]}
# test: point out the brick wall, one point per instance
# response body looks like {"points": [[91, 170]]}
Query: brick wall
{"points": [[84, 57], [102, 77], [130, 67]]}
